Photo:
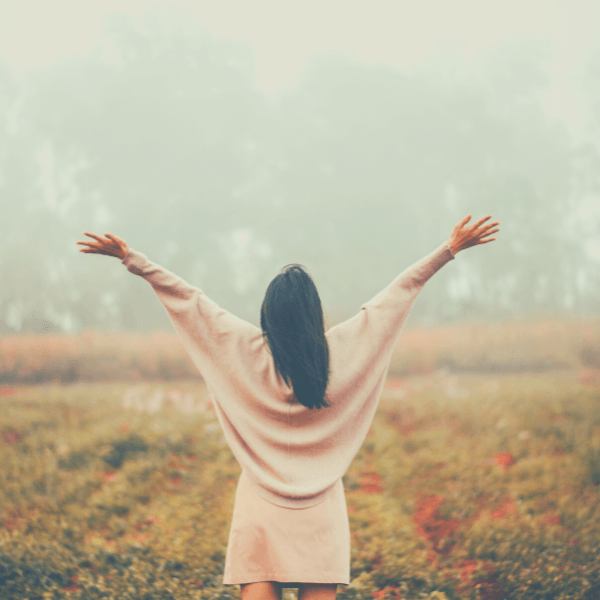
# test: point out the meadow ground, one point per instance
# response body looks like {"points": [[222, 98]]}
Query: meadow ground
{"points": [[467, 486]]}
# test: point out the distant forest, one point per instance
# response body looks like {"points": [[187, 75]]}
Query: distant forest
{"points": [[356, 172]]}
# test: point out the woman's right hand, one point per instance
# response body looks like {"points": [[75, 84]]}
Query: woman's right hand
{"points": [[111, 245], [464, 237]]}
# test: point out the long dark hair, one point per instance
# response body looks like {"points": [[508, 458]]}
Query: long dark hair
{"points": [[291, 317]]}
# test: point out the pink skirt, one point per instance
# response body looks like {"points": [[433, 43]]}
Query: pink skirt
{"points": [[272, 543]]}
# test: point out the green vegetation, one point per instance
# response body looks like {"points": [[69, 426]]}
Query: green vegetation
{"points": [[471, 486]]}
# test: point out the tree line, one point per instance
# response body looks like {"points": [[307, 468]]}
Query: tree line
{"points": [[356, 172]]}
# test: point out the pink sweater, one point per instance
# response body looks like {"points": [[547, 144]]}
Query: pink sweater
{"points": [[293, 456]]}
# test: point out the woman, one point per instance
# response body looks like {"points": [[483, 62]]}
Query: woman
{"points": [[290, 523]]}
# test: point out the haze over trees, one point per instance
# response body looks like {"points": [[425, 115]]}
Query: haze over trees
{"points": [[356, 173]]}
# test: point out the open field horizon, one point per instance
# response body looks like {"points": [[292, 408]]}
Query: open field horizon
{"points": [[509, 346]]}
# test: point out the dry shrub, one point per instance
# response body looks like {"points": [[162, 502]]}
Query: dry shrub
{"points": [[487, 347]]}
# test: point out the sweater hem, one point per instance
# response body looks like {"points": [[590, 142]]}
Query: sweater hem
{"points": [[283, 578], [287, 502]]}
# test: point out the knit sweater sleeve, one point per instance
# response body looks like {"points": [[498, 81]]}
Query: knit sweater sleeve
{"points": [[362, 346], [209, 333]]}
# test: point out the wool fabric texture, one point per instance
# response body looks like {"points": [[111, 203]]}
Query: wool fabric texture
{"points": [[290, 521], [292, 455]]}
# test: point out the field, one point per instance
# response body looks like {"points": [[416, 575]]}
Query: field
{"points": [[481, 347], [470, 484]]}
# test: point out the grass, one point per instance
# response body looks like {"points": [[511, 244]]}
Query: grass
{"points": [[471, 485]]}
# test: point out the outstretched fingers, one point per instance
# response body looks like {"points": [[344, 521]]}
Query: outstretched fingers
{"points": [[99, 246], [484, 238], [476, 225], [104, 241], [89, 244], [114, 238], [490, 225], [93, 235], [478, 233], [486, 232]]}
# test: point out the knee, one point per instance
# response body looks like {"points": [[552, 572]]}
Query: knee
{"points": [[261, 590]]}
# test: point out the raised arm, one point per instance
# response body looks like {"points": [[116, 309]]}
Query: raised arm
{"points": [[207, 331], [404, 289], [166, 285], [364, 344]]}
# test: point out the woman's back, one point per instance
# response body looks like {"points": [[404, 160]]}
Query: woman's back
{"points": [[292, 455]]}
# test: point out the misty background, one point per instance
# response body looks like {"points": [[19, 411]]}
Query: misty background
{"points": [[226, 142]]}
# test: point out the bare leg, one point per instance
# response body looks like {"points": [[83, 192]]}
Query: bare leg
{"points": [[317, 591], [261, 590]]}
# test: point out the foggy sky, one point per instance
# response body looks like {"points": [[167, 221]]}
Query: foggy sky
{"points": [[283, 36], [347, 137]]}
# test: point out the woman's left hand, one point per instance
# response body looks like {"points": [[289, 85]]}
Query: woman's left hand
{"points": [[109, 246], [465, 237]]}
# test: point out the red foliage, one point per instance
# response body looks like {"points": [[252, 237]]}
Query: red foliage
{"points": [[551, 519], [487, 585], [432, 526], [153, 519], [370, 483], [504, 460], [508, 507], [72, 587], [387, 592], [11, 436]]}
